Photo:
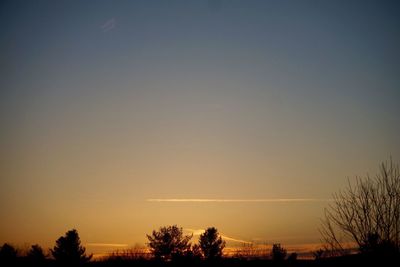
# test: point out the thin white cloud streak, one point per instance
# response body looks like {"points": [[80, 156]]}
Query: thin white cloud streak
{"points": [[235, 240], [106, 245], [197, 232], [187, 200]]}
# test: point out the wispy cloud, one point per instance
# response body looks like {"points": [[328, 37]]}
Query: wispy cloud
{"points": [[238, 200], [197, 232], [235, 240], [106, 245], [109, 25]]}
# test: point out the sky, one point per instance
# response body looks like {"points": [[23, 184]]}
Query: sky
{"points": [[118, 117]]}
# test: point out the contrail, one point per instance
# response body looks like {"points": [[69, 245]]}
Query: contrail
{"points": [[235, 240], [197, 232], [238, 200]]}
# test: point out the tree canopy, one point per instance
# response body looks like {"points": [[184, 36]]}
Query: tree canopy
{"points": [[278, 253], [168, 243], [8, 254], [36, 254], [68, 249], [211, 244]]}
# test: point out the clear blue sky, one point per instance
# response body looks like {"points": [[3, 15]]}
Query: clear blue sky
{"points": [[106, 104]]}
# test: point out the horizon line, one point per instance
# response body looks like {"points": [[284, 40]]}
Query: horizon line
{"points": [[222, 200]]}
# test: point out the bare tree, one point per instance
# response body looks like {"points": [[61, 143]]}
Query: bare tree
{"points": [[366, 214]]}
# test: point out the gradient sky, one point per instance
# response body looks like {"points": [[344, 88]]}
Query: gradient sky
{"points": [[108, 107]]}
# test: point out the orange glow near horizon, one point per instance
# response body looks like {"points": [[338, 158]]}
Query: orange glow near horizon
{"points": [[246, 116]]}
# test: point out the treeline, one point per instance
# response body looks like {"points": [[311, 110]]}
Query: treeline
{"points": [[168, 245], [68, 251]]}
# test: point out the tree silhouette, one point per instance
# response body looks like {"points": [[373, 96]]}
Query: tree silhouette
{"points": [[8, 254], [367, 213], [68, 250], [211, 244], [292, 257], [36, 255], [278, 253], [195, 252], [318, 254], [168, 243]]}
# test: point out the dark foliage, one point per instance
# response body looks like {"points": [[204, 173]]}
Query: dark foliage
{"points": [[36, 255], [169, 243], [211, 244], [68, 250], [318, 254], [292, 257], [8, 254], [278, 253]]}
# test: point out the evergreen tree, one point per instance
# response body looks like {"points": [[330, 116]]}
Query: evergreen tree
{"points": [[68, 250], [168, 243], [211, 244]]}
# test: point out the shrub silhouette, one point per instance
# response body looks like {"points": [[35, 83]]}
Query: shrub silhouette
{"points": [[195, 252], [318, 254], [36, 255], [292, 257], [367, 213], [8, 254], [168, 243], [249, 251], [137, 253], [278, 253], [68, 250], [377, 248], [211, 244]]}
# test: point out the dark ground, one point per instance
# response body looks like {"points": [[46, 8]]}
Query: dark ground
{"points": [[350, 260]]}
